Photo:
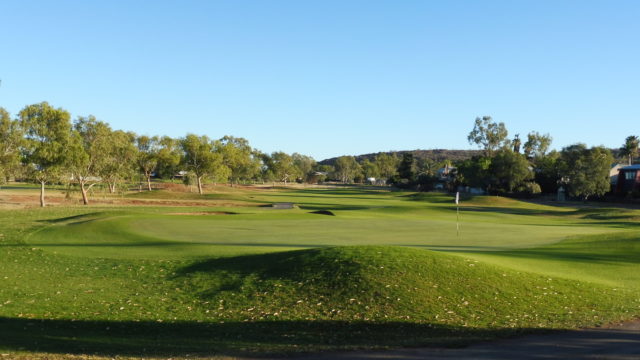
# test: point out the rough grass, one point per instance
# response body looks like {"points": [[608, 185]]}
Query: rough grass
{"points": [[108, 281]]}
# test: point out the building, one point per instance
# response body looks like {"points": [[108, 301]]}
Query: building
{"points": [[445, 173], [628, 179], [613, 174]]}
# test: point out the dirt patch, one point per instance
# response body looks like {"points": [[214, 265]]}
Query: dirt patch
{"points": [[204, 213], [57, 199]]}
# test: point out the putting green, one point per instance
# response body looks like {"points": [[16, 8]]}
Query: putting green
{"points": [[172, 234]]}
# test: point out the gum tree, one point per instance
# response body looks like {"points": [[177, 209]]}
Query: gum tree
{"points": [[89, 147], [200, 158], [121, 157], [10, 142], [148, 150], [47, 136], [487, 134]]}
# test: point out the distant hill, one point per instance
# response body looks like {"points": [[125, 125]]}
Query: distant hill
{"points": [[433, 155], [440, 155]]}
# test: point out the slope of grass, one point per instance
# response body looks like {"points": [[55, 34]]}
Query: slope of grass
{"points": [[117, 281], [345, 297]]}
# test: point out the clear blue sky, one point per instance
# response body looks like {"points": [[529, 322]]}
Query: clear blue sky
{"points": [[327, 78]]}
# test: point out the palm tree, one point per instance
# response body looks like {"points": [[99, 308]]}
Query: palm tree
{"points": [[630, 148]]}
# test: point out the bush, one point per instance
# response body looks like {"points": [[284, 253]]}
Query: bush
{"points": [[529, 189]]}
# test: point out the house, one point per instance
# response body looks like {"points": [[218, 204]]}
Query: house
{"points": [[446, 172], [181, 174], [628, 179], [613, 173]]}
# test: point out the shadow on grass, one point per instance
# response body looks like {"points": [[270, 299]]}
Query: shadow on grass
{"points": [[160, 244], [574, 255], [150, 338], [70, 218], [339, 207], [288, 264], [513, 211], [601, 216]]}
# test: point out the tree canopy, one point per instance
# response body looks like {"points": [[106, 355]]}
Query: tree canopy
{"points": [[586, 170], [46, 142], [487, 134], [630, 148]]}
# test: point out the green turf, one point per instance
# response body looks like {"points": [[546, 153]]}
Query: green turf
{"points": [[150, 281], [370, 218]]}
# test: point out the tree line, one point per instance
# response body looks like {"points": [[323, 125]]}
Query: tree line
{"points": [[511, 166], [42, 144]]}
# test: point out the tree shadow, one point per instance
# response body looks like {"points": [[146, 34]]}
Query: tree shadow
{"points": [[575, 255], [71, 218], [278, 265], [162, 244], [234, 338], [327, 206]]}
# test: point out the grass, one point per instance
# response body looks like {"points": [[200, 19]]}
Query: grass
{"points": [[387, 270]]}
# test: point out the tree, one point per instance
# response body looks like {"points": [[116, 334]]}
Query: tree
{"points": [[487, 134], [370, 169], [148, 149], [537, 145], [323, 172], [266, 168], [547, 172], [475, 172], [630, 148], [121, 157], [387, 165], [47, 136], [283, 167], [168, 157], [346, 168], [200, 157], [407, 167], [509, 170], [586, 171], [237, 155], [88, 150], [10, 142], [305, 165], [516, 142]]}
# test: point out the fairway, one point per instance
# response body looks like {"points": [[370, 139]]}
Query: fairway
{"points": [[371, 218], [346, 268]]}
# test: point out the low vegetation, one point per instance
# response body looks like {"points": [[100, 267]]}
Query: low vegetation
{"points": [[386, 270]]}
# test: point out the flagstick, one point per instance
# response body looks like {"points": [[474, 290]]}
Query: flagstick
{"points": [[457, 221], [457, 214]]}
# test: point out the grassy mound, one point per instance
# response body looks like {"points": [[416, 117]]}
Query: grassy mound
{"points": [[377, 283], [306, 300]]}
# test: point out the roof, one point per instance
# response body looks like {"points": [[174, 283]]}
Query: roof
{"points": [[631, 167]]}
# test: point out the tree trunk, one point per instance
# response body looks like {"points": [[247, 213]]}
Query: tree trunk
{"points": [[200, 185], [149, 182], [42, 194], [112, 187], [83, 190]]}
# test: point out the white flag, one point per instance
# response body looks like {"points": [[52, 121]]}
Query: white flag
{"points": [[457, 197]]}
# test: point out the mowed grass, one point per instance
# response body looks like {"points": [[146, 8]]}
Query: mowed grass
{"points": [[387, 270], [359, 218]]}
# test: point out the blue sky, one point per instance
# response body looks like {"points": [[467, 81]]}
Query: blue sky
{"points": [[328, 78]]}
